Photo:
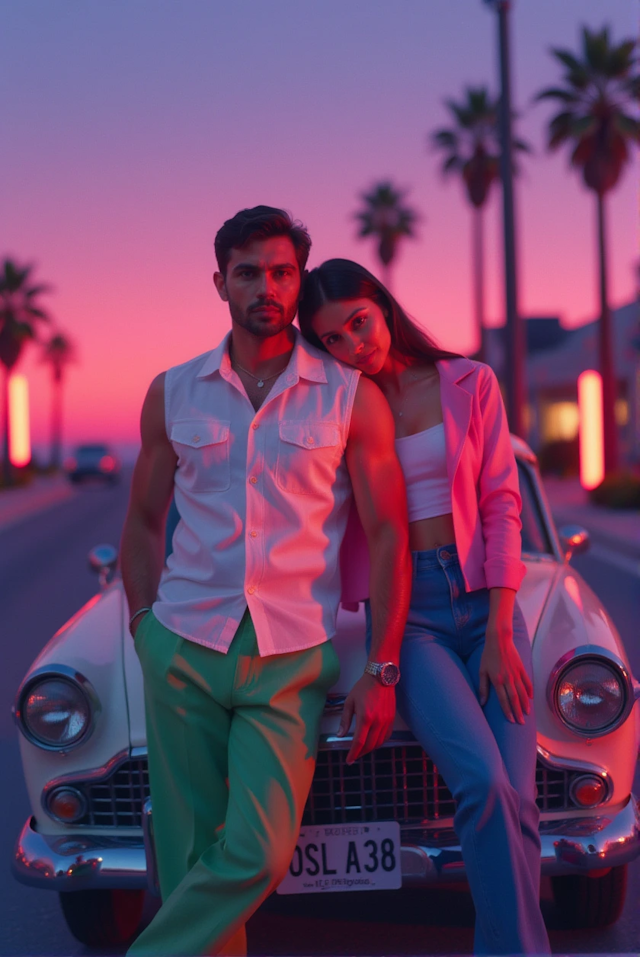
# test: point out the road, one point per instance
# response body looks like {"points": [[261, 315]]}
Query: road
{"points": [[44, 579]]}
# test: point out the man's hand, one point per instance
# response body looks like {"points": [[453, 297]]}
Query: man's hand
{"points": [[374, 707]]}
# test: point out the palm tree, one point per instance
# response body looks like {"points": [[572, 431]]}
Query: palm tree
{"points": [[19, 313], [596, 120], [58, 352], [472, 149], [385, 217]]}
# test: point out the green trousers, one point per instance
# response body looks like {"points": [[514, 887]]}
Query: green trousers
{"points": [[232, 743]]}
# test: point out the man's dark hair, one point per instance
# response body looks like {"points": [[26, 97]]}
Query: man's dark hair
{"points": [[261, 222]]}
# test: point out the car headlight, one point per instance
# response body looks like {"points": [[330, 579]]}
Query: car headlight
{"points": [[590, 693], [56, 710]]}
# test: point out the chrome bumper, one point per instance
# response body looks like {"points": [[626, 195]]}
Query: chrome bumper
{"points": [[80, 862], [569, 846]]}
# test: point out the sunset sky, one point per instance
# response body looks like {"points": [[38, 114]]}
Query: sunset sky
{"points": [[132, 130]]}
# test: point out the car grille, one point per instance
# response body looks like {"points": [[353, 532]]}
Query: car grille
{"points": [[398, 783], [117, 801]]}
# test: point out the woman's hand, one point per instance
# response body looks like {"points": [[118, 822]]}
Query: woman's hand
{"points": [[501, 665]]}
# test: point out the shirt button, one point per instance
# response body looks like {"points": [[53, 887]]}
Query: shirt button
{"points": [[196, 438], [310, 440], [255, 426], [251, 589], [253, 480], [253, 533]]}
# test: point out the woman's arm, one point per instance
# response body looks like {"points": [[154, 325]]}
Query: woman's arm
{"points": [[501, 664], [499, 505], [499, 501]]}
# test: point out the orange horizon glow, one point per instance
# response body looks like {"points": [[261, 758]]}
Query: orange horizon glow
{"points": [[590, 429], [19, 434]]}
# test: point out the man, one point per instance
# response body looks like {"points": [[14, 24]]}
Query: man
{"points": [[261, 441]]}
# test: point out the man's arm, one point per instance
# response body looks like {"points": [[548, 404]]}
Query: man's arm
{"points": [[142, 546], [380, 496]]}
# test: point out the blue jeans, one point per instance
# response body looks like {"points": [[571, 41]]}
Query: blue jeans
{"points": [[487, 762]]}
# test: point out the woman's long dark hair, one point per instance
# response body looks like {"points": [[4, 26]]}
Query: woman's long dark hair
{"points": [[338, 279]]}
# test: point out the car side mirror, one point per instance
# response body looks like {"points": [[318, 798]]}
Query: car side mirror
{"points": [[103, 560], [574, 540]]}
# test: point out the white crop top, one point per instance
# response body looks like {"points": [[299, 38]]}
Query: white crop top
{"points": [[423, 457]]}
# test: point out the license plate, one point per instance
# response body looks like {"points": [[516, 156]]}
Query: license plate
{"points": [[345, 857]]}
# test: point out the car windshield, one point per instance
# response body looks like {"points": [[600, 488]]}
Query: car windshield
{"points": [[535, 539]]}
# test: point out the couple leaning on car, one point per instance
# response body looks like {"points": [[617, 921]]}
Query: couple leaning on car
{"points": [[263, 442]]}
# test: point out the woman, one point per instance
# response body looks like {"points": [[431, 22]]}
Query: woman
{"points": [[465, 689]]}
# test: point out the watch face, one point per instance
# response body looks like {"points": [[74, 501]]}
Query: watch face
{"points": [[390, 674]]}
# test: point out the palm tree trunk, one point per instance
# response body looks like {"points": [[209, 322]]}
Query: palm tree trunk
{"points": [[478, 281], [7, 470], [607, 365], [56, 424], [386, 276]]}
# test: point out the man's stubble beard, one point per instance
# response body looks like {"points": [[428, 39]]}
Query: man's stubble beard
{"points": [[263, 329]]}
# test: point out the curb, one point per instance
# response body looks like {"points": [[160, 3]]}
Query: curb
{"points": [[28, 505]]}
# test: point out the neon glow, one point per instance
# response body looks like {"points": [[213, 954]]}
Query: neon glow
{"points": [[591, 436], [19, 434]]}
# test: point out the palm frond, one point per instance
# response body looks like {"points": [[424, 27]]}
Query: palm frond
{"points": [[621, 59], [560, 128], [632, 87], [627, 125], [596, 49], [522, 146], [452, 164], [578, 75], [557, 93], [445, 139]]}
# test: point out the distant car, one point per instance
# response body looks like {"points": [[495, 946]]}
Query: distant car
{"points": [[93, 461], [385, 820]]}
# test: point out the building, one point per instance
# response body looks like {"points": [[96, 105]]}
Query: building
{"points": [[555, 358]]}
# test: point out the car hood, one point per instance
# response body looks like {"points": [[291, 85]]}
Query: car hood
{"points": [[349, 640], [349, 644]]}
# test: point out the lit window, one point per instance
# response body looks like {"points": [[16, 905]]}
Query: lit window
{"points": [[622, 412], [559, 421]]}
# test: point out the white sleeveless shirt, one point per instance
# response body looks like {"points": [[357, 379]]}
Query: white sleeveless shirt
{"points": [[263, 499]]}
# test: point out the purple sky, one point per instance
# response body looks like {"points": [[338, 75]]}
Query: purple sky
{"points": [[133, 129]]}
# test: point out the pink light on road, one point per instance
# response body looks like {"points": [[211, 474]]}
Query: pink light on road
{"points": [[19, 434], [590, 429]]}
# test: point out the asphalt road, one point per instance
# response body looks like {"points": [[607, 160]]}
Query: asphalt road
{"points": [[44, 579]]}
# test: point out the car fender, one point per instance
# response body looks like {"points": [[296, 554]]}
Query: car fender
{"points": [[91, 644], [573, 618]]}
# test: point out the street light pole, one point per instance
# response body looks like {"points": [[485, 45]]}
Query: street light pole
{"points": [[515, 368]]}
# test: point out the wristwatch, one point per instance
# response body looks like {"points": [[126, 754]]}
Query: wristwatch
{"points": [[386, 672]]}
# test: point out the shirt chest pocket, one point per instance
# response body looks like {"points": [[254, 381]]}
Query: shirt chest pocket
{"points": [[308, 455], [202, 447]]}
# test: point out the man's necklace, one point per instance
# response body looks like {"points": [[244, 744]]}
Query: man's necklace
{"points": [[260, 379]]}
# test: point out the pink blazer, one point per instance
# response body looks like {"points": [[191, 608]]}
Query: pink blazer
{"points": [[483, 475]]}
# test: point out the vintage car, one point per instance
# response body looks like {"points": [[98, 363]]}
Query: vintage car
{"points": [[89, 834], [96, 461]]}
